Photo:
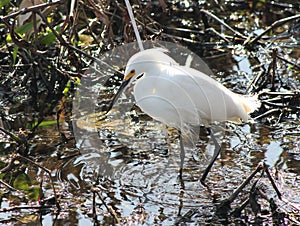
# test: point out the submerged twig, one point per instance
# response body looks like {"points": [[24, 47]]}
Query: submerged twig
{"points": [[110, 210]]}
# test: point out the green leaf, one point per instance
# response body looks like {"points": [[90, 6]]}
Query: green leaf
{"points": [[4, 3], [48, 39], [22, 182], [34, 193], [45, 123], [15, 53], [25, 28]]}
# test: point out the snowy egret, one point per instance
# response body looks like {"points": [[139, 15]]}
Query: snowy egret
{"points": [[180, 96]]}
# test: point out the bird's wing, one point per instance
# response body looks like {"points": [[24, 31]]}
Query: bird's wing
{"points": [[211, 97]]}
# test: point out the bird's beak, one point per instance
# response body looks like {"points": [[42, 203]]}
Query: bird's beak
{"points": [[125, 82]]}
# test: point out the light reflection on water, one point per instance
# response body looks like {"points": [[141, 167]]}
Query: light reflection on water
{"points": [[140, 175], [129, 162], [273, 154]]}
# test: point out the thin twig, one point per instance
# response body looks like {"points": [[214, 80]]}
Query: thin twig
{"points": [[273, 25], [7, 185], [218, 34], [30, 9], [20, 157], [272, 182], [11, 135], [288, 62], [267, 113], [223, 23]]}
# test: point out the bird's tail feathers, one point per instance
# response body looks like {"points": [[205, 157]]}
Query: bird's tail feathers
{"points": [[250, 103]]}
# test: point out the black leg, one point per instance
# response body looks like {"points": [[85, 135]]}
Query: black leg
{"points": [[212, 161], [182, 155]]}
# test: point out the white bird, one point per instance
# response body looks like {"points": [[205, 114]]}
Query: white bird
{"points": [[180, 96]]}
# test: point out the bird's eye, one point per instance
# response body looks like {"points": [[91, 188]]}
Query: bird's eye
{"points": [[132, 71]]}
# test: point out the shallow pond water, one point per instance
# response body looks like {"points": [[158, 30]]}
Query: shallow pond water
{"points": [[127, 157]]}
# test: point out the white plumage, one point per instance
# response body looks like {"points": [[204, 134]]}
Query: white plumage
{"points": [[179, 95]]}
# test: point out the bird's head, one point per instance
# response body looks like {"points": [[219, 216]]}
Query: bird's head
{"points": [[132, 72], [141, 63]]}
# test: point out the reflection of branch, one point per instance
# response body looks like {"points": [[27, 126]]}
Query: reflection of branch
{"points": [[109, 209], [274, 25]]}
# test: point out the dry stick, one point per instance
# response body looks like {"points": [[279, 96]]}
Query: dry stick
{"points": [[254, 81], [7, 185], [289, 62], [30, 9], [165, 35], [223, 23], [268, 102], [240, 188], [260, 167], [238, 210], [288, 93], [274, 25], [272, 182], [218, 34], [180, 29], [94, 207], [267, 113]]}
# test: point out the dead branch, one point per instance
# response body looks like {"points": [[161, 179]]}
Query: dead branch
{"points": [[274, 25], [223, 23]]}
